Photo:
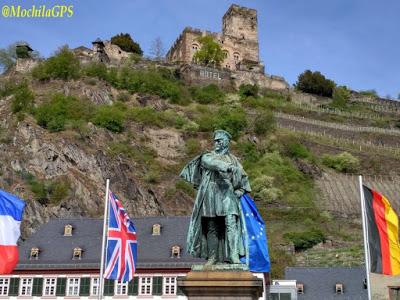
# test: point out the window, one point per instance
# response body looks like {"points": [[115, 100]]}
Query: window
{"points": [[280, 296], [25, 288], [226, 54], [145, 284], [156, 229], [176, 251], [49, 286], [4, 286], [394, 293], [121, 288], [73, 286], [169, 286], [34, 253], [68, 230], [339, 288], [77, 253], [236, 56], [195, 47], [94, 287]]}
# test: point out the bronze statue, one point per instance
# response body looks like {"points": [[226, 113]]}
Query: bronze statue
{"points": [[216, 228]]}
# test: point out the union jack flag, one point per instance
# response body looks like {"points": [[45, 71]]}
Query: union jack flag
{"points": [[121, 251]]}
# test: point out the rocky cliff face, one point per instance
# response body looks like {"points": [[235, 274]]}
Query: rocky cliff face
{"points": [[82, 161]]}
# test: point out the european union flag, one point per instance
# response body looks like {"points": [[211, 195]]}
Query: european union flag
{"points": [[257, 237]]}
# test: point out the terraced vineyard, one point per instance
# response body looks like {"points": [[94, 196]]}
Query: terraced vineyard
{"points": [[340, 193]]}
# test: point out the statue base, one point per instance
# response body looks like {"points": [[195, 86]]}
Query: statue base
{"points": [[221, 281]]}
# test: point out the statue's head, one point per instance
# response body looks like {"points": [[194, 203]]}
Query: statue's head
{"points": [[221, 140]]}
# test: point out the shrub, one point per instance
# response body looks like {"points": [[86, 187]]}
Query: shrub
{"points": [[343, 162], [126, 43], [109, 117], [340, 97], [210, 53], [315, 83], [193, 147], [264, 189], [149, 116], [248, 90], [306, 239], [23, 99], [369, 93], [64, 65], [297, 150], [264, 122], [207, 94], [185, 187], [96, 69], [59, 190], [232, 120], [54, 114]]}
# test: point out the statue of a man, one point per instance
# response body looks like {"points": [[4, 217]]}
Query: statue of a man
{"points": [[215, 230]]}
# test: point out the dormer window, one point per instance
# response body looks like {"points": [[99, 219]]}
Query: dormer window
{"points": [[156, 229], [339, 288], [77, 253], [176, 251], [68, 230], [34, 253], [300, 288]]}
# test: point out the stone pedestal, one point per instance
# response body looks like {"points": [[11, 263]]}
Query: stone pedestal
{"points": [[226, 282]]}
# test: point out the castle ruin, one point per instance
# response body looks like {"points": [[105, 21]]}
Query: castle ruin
{"points": [[238, 39]]}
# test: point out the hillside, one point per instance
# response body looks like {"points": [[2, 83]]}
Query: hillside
{"points": [[63, 132]]}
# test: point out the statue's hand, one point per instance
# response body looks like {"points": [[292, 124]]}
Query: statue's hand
{"points": [[239, 193]]}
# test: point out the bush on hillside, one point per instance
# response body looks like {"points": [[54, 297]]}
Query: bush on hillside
{"points": [[126, 43], [264, 122], [297, 150], [232, 120], [207, 94], [23, 99], [343, 162], [341, 96], [306, 239], [63, 65], [248, 90], [315, 83], [56, 113], [110, 117]]}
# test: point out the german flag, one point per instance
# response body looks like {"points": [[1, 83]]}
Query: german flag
{"points": [[383, 234]]}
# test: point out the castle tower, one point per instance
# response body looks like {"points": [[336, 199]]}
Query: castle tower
{"points": [[239, 29]]}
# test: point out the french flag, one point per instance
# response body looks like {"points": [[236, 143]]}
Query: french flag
{"points": [[11, 210]]}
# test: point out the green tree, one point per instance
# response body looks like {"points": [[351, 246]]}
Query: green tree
{"points": [[315, 83], [210, 53], [126, 43], [340, 96]]}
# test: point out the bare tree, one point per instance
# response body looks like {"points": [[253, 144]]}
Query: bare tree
{"points": [[157, 49]]}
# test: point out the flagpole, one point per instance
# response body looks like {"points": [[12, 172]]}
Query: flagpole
{"points": [[103, 243], [365, 234]]}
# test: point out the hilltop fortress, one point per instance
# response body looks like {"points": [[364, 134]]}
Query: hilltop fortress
{"points": [[238, 39]]}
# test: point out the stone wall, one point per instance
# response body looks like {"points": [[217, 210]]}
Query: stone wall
{"points": [[263, 81], [114, 52], [24, 65], [198, 75]]}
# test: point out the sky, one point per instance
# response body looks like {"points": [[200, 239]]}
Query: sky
{"points": [[353, 42]]}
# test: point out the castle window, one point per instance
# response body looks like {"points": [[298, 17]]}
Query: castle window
{"points": [[34, 253], [195, 47], [226, 54], [339, 288], [236, 56], [176, 251], [300, 288], [68, 230], [77, 253], [156, 229]]}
